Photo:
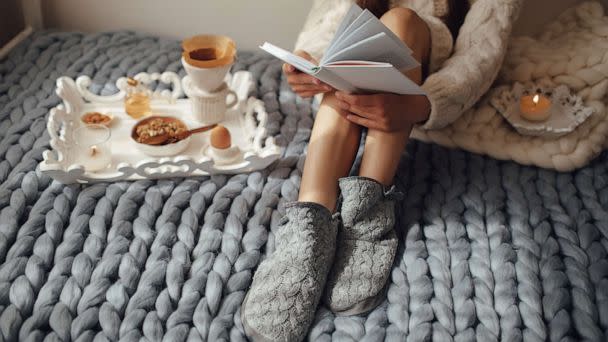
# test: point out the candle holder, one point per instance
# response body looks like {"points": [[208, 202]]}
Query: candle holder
{"points": [[566, 111], [92, 147]]}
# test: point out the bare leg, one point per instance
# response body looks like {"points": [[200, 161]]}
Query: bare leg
{"points": [[331, 152], [334, 140], [383, 149]]}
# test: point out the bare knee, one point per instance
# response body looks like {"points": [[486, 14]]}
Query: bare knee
{"points": [[334, 114], [411, 29], [399, 16]]}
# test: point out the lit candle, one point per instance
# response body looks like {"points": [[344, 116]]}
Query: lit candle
{"points": [[92, 147], [97, 158], [535, 108]]}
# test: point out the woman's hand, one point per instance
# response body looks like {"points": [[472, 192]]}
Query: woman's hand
{"points": [[384, 111], [301, 83]]}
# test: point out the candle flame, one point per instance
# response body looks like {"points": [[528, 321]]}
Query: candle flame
{"points": [[93, 150], [535, 99]]}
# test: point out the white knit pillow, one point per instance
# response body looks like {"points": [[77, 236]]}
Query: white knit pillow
{"points": [[573, 50]]}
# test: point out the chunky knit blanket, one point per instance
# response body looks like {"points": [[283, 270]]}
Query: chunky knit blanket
{"points": [[489, 250]]}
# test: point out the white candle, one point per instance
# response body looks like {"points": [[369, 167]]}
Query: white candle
{"points": [[92, 147], [95, 158]]}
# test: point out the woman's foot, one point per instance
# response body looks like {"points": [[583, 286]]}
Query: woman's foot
{"points": [[287, 286], [366, 247]]}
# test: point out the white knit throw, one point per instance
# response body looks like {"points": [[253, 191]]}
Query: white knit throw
{"points": [[573, 50]]}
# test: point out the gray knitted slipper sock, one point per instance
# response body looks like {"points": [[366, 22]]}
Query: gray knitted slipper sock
{"points": [[287, 286], [366, 247]]}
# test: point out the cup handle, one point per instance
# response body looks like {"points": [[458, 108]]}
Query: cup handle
{"points": [[235, 99]]}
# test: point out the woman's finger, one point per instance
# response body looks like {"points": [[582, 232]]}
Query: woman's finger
{"points": [[361, 100], [367, 112], [310, 87], [289, 69], [307, 94], [304, 55], [365, 122], [301, 78]]}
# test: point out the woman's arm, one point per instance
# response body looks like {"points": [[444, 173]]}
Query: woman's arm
{"points": [[393, 112], [478, 54]]}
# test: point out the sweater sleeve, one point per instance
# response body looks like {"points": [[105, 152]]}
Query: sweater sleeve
{"points": [[441, 41], [478, 54]]}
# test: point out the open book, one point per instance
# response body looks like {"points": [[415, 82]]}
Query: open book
{"points": [[364, 56]]}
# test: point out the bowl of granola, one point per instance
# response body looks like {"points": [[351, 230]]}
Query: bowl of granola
{"points": [[148, 128]]}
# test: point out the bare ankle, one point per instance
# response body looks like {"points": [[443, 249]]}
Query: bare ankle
{"points": [[324, 198]]}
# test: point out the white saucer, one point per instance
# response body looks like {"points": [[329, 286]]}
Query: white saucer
{"points": [[193, 91]]}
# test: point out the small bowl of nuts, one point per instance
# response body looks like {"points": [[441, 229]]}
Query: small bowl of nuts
{"points": [[96, 118], [146, 132]]}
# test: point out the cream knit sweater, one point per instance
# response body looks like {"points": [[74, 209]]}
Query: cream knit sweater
{"points": [[460, 73]]}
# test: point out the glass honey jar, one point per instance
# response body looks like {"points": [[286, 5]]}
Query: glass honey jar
{"points": [[137, 99]]}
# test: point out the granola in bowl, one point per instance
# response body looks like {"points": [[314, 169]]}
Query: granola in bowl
{"points": [[158, 125]]}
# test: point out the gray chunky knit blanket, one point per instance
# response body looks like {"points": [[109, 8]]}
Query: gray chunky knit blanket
{"points": [[489, 250]]}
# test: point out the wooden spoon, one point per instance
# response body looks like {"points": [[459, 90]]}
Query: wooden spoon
{"points": [[165, 138]]}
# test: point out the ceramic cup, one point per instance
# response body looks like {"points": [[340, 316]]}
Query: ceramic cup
{"points": [[207, 59], [207, 79], [207, 107]]}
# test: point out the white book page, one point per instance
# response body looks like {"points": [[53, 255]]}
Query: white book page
{"points": [[337, 43], [376, 78], [378, 48], [358, 63], [308, 67], [329, 77], [288, 57], [370, 28], [352, 14]]}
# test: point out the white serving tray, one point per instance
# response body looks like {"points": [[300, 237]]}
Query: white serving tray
{"points": [[246, 122]]}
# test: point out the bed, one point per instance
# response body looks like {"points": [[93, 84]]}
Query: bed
{"points": [[489, 250]]}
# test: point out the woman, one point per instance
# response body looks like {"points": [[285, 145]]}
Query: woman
{"points": [[349, 263]]}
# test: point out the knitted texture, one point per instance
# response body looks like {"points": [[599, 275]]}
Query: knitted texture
{"points": [[570, 51], [488, 250], [366, 246], [287, 286]]}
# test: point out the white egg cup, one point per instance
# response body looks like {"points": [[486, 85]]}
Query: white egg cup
{"points": [[223, 156]]}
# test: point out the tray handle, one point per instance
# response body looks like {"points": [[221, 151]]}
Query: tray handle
{"points": [[84, 82], [70, 93], [256, 125], [57, 126], [168, 77]]}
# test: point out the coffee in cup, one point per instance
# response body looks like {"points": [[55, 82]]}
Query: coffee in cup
{"points": [[207, 59]]}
